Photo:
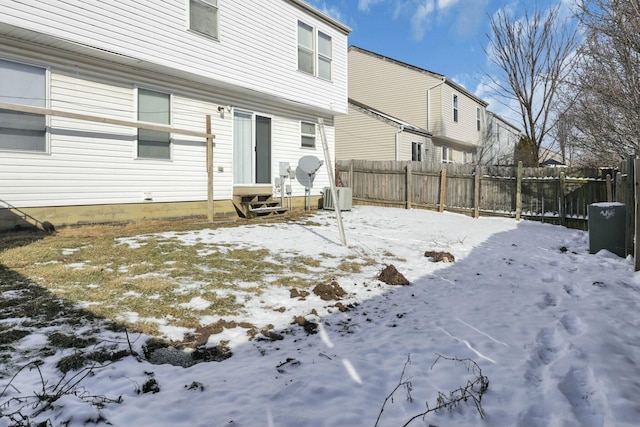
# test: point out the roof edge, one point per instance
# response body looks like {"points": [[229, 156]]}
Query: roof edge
{"points": [[321, 15]]}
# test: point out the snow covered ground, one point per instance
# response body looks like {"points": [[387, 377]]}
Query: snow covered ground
{"points": [[555, 330]]}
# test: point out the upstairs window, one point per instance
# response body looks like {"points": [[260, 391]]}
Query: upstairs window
{"points": [[203, 17], [154, 107], [478, 119], [308, 134], [306, 52], [324, 56], [455, 108], [24, 85], [315, 51]]}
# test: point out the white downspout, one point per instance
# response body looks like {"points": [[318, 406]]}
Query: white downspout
{"points": [[398, 132], [444, 79]]}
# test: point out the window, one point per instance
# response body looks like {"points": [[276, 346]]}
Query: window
{"points": [[447, 155], [455, 108], [417, 150], [308, 134], [153, 107], [315, 51], [203, 17], [25, 85], [324, 56], [305, 48], [478, 119], [467, 157]]}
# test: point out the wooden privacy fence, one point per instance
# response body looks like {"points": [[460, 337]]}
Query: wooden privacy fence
{"points": [[549, 194]]}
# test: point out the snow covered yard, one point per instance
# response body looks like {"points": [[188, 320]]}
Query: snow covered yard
{"points": [[554, 329]]}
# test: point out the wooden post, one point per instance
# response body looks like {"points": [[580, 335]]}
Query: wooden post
{"points": [[519, 191], [408, 181], [609, 189], [476, 191], [443, 188], [562, 208], [636, 195], [209, 170], [351, 174]]}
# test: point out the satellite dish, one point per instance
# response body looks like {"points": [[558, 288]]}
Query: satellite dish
{"points": [[306, 170]]}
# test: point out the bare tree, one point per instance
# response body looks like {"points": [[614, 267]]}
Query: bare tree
{"points": [[604, 116], [534, 54]]}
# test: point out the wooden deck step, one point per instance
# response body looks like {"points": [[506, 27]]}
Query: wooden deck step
{"points": [[258, 205]]}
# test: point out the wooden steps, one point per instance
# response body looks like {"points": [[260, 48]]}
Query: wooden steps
{"points": [[258, 205]]}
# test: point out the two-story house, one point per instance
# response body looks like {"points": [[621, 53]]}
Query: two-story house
{"points": [[104, 105], [452, 119], [498, 145]]}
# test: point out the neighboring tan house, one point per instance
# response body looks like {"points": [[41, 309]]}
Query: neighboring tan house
{"points": [[386, 137], [498, 146], [454, 116], [265, 72]]}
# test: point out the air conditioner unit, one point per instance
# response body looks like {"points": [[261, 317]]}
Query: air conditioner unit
{"points": [[345, 194]]}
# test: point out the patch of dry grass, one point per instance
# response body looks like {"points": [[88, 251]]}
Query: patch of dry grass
{"points": [[134, 274]]}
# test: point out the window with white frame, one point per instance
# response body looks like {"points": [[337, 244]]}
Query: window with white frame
{"points": [[417, 151], [306, 52], [24, 85], [154, 107], [315, 51], [478, 123], [203, 17], [467, 157], [447, 155], [325, 52], [455, 108], [308, 134]]}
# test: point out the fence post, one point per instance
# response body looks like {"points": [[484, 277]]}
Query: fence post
{"points": [[443, 187], [636, 193], [209, 154], [562, 209], [350, 174], [519, 191], [609, 189], [408, 185], [476, 191]]}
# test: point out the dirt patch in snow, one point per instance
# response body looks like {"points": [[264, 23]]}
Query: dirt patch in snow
{"points": [[391, 276], [440, 256], [329, 292]]}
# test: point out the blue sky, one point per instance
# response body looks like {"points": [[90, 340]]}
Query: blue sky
{"points": [[444, 36]]}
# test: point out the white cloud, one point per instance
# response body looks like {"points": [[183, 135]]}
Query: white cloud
{"points": [[444, 4], [419, 19], [365, 5]]}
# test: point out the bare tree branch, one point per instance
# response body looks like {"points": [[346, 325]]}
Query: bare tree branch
{"points": [[534, 54]]}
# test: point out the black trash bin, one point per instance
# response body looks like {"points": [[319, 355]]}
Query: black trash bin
{"points": [[607, 227]]}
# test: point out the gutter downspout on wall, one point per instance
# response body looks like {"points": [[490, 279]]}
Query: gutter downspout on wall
{"points": [[398, 132], [444, 80]]}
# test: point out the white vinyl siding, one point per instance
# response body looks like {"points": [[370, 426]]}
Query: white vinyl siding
{"points": [[95, 163], [25, 85], [256, 50], [154, 107], [203, 17]]}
